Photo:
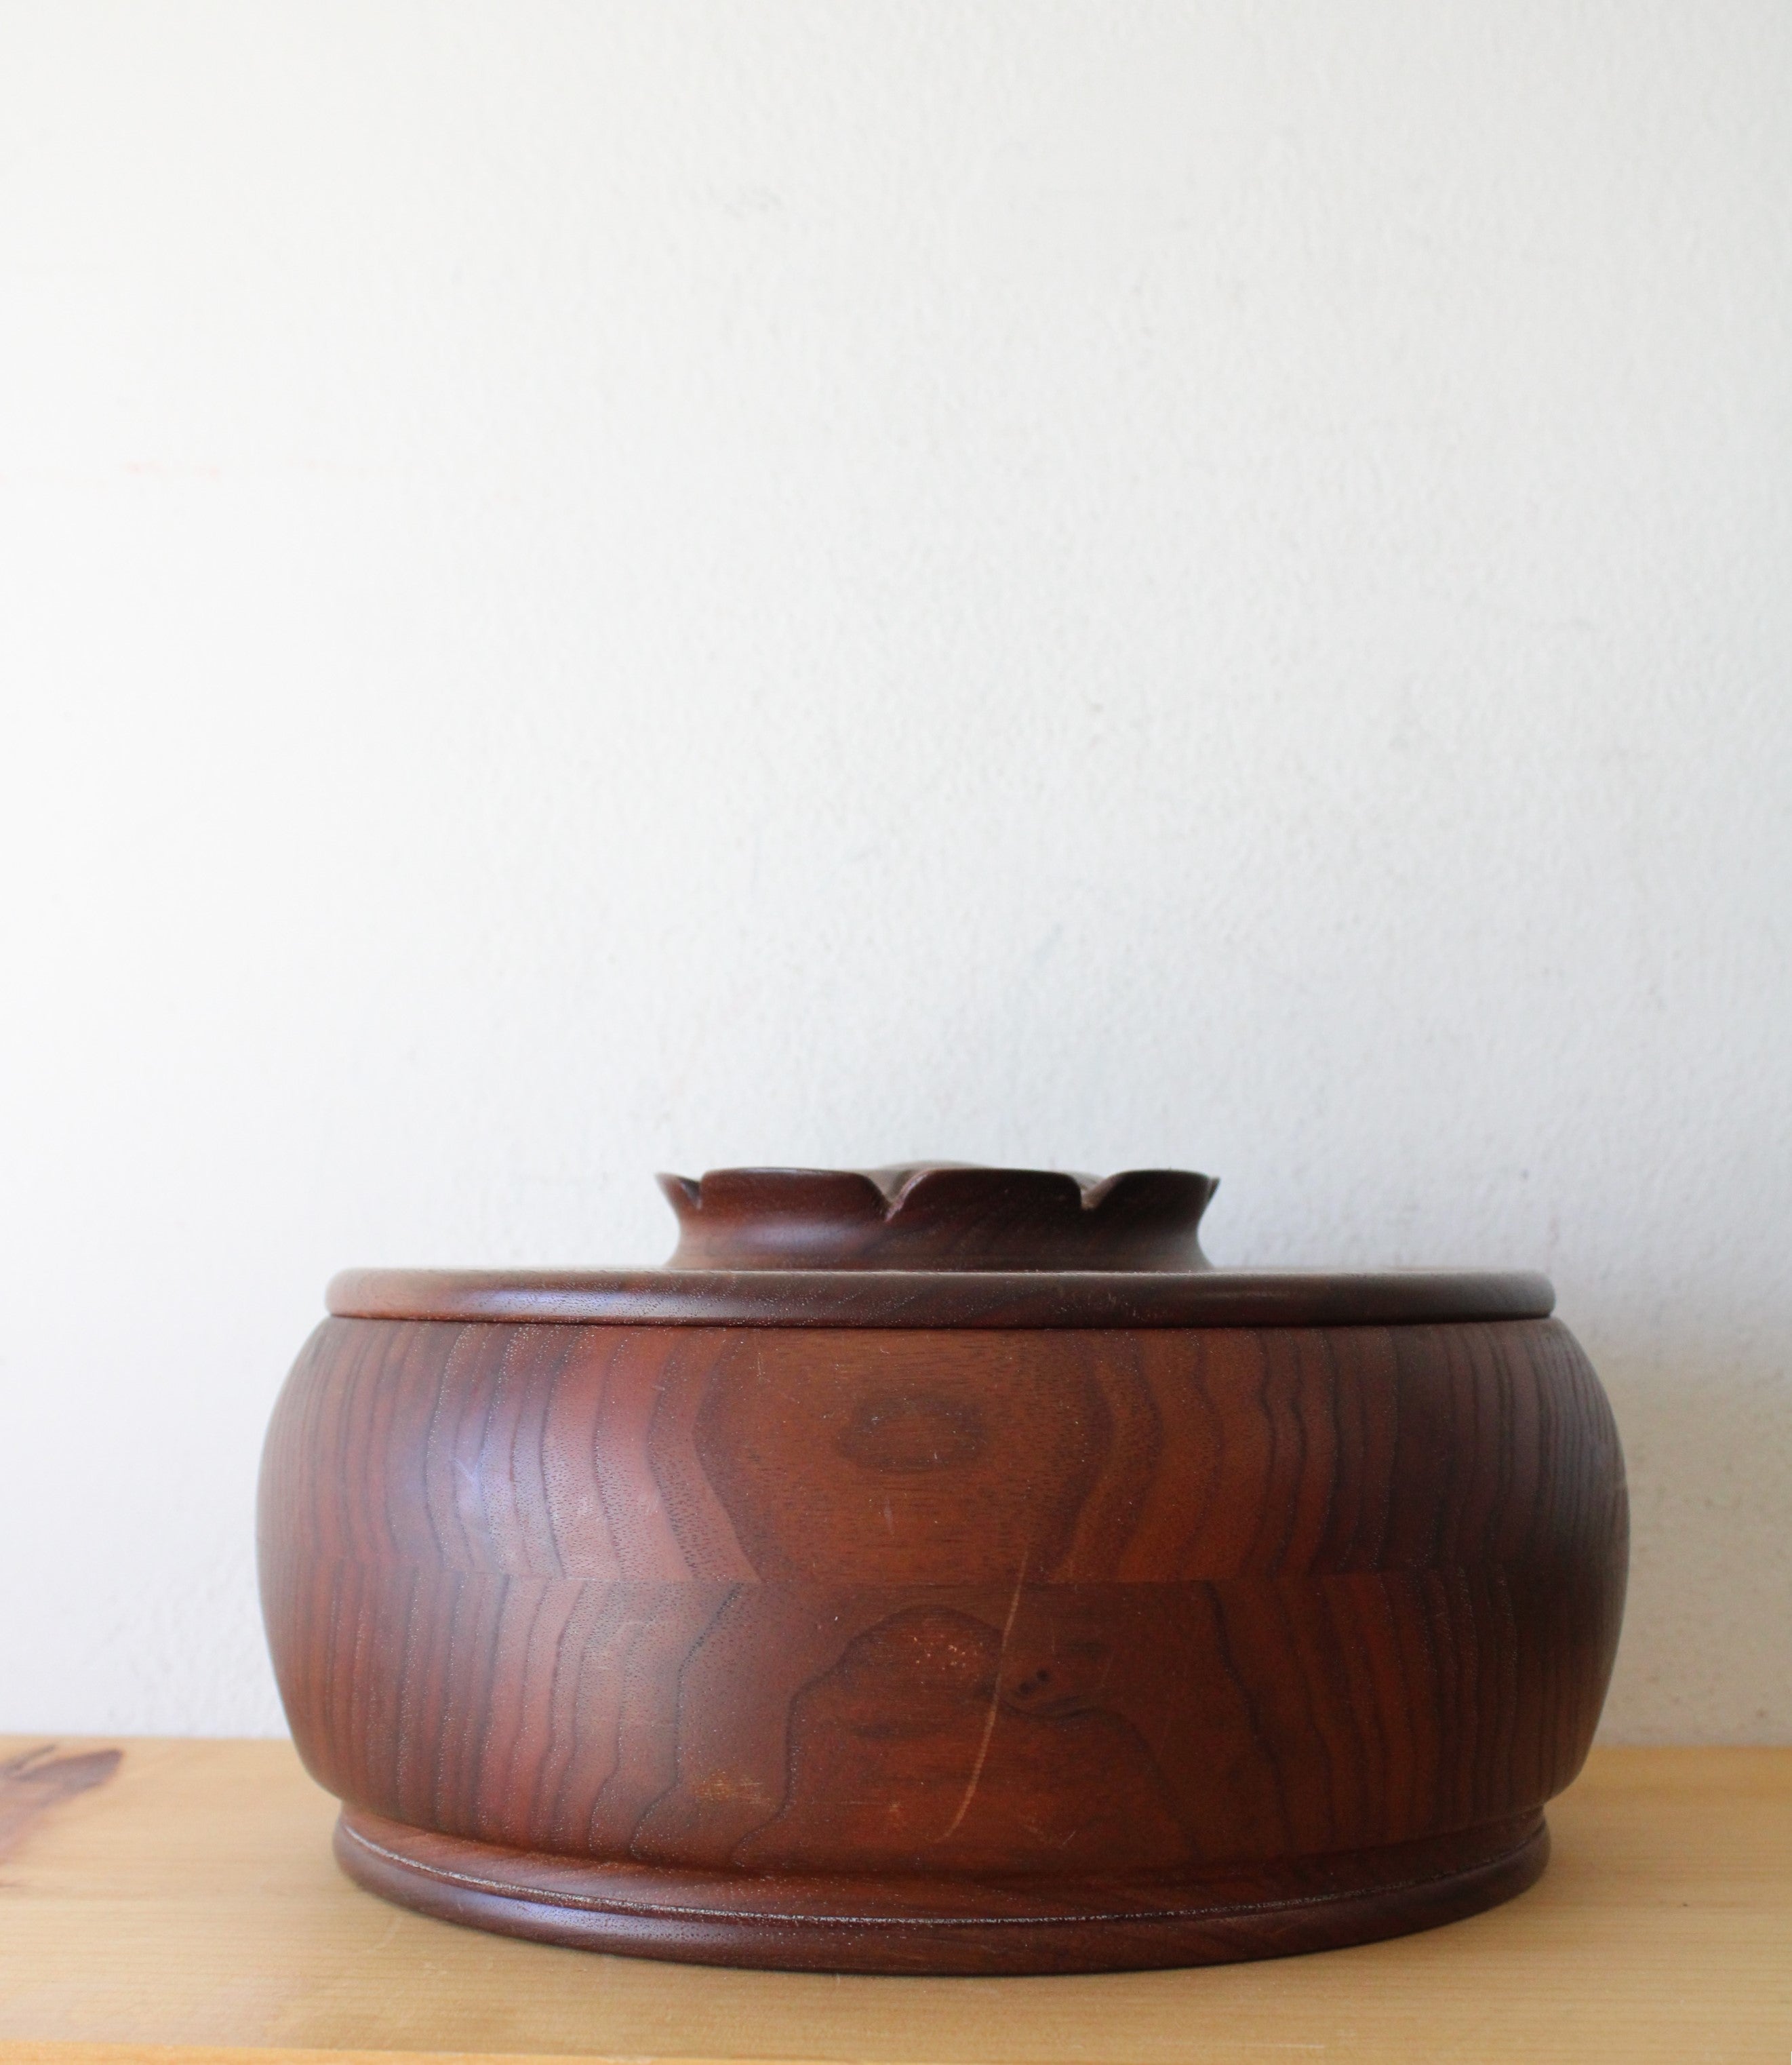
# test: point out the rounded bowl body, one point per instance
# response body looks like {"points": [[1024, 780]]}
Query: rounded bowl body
{"points": [[943, 1649]]}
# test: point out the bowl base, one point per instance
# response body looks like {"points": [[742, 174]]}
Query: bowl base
{"points": [[819, 1922]]}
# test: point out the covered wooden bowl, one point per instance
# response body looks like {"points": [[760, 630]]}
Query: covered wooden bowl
{"points": [[943, 1569]]}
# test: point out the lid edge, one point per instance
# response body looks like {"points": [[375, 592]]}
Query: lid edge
{"points": [[931, 1299]]}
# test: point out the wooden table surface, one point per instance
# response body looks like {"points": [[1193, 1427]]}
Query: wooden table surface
{"points": [[186, 1898]]}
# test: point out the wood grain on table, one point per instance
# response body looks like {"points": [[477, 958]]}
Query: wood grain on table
{"points": [[187, 1898]]}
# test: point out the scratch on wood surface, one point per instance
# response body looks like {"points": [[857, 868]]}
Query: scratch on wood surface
{"points": [[38, 1779], [989, 1719]]}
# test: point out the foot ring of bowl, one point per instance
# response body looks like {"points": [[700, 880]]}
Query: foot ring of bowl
{"points": [[945, 1925]]}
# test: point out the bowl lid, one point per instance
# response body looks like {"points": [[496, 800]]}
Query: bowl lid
{"points": [[940, 1244]]}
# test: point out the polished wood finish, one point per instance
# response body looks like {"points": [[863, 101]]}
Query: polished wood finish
{"points": [[942, 1570], [944, 1215], [905, 1649], [912, 1297], [899, 1923], [189, 1909], [940, 1244]]}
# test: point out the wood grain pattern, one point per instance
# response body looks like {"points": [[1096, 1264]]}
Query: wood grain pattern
{"points": [[1268, 1632], [193, 1902], [37, 1780]]}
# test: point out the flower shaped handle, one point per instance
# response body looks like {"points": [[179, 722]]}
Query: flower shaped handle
{"points": [[933, 1215]]}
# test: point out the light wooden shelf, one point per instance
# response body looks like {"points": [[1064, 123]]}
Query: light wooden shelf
{"points": [[189, 1904]]}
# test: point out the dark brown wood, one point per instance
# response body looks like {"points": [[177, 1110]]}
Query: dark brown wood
{"points": [[946, 1925], [897, 1647], [944, 1215], [914, 1297], [939, 1244], [997, 1589]]}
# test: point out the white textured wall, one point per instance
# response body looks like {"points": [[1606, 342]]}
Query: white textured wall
{"points": [[596, 587]]}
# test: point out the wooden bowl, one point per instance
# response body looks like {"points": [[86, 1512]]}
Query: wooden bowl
{"points": [[943, 1570]]}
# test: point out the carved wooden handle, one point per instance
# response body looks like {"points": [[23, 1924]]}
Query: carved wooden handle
{"points": [[936, 1215]]}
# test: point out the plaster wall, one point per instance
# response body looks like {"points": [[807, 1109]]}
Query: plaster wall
{"points": [[592, 589]]}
